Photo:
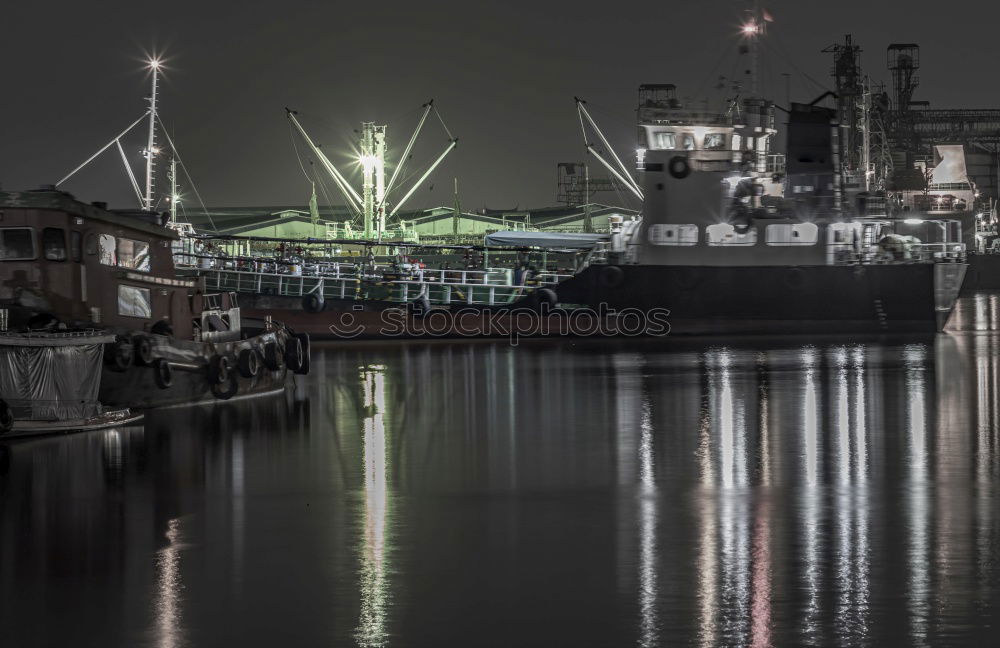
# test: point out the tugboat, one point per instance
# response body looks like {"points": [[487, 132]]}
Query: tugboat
{"points": [[67, 266]]}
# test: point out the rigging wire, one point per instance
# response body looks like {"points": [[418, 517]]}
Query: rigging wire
{"points": [[186, 174]]}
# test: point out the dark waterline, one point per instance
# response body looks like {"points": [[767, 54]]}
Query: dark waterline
{"points": [[558, 493]]}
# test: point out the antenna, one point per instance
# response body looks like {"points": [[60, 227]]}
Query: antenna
{"points": [[151, 150]]}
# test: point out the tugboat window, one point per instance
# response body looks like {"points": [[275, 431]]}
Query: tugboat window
{"points": [[688, 142], [133, 254], [107, 244], [91, 244], [134, 302], [74, 245], [664, 141], [16, 244], [54, 244]]}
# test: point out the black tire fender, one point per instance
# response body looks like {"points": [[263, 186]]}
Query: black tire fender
{"points": [[272, 356], [293, 353], [546, 297], [313, 303], [227, 388], [118, 355], [163, 373], [218, 370], [303, 339], [142, 347], [249, 363]]}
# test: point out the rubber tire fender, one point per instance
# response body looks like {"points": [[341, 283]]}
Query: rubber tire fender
{"points": [[163, 373], [249, 363], [231, 384], [294, 353], [142, 347], [303, 339], [218, 370], [546, 297], [679, 167], [118, 355], [313, 303], [162, 328], [272, 356]]}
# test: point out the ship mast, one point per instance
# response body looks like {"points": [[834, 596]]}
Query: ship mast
{"points": [[151, 149]]}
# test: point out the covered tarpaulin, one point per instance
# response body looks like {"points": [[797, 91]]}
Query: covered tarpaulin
{"points": [[950, 167], [565, 240], [51, 376]]}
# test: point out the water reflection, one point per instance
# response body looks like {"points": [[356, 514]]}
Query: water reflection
{"points": [[168, 591], [576, 494], [371, 630]]}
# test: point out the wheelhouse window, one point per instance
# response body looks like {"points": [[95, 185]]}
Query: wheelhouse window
{"points": [[715, 141], [90, 244], [687, 140], [75, 245], [54, 244], [663, 140], [17, 244], [106, 243], [133, 254], [134, 302], [673, 234], [726, 234], [792, 234]]}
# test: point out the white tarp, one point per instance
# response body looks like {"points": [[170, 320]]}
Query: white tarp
{"points": [[51, 382], [546, 239], [951, 164]]}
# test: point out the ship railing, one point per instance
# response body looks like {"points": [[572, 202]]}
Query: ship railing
{"points": [[440, 286], [847, 254]]}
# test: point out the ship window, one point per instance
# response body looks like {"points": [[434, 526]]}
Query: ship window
{"points": [[134, 302], [715, 141], [673, 234], [688, 141], [792, 234], [664, 141], [726, 234], [16, 244], [90, 244], [107, 248], [54, 244], [74, 245], [133, 254]]}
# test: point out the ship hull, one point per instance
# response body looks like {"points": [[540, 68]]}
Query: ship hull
{"points": [[983, 274], [713, 300], [657, 300]]}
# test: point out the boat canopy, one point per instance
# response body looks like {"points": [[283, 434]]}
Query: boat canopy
{"points": [[576, 241]]}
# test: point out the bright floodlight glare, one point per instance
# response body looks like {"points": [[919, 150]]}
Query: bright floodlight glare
{"points": [[154, 63], [750, 28]]}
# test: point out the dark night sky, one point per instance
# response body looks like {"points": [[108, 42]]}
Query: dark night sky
{"points": [[503, 75]]}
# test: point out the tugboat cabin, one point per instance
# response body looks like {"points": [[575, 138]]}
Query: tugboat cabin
{"points": [[84, 265]]}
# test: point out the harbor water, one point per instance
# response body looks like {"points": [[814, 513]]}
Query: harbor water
{"points": [[562, 492]]}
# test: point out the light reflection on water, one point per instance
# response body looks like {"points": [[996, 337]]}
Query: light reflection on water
{"points": [[646, 493]]}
